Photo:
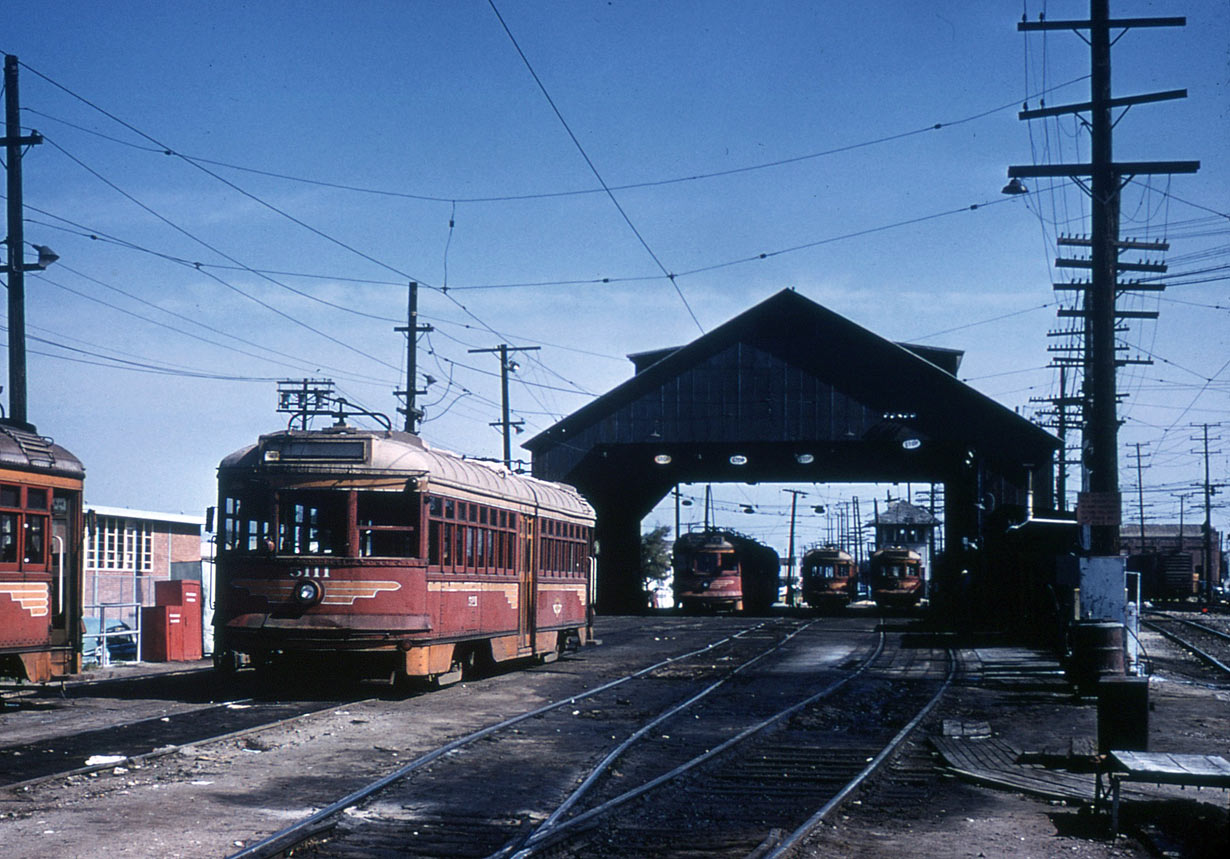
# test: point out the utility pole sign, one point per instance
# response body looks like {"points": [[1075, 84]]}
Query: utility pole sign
{"points": [[1102, 179]]}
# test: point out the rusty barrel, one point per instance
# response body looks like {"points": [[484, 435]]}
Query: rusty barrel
{"points": [[1097, 652]]}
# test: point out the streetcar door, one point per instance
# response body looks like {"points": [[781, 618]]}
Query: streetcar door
{"points": [[528, 581]]}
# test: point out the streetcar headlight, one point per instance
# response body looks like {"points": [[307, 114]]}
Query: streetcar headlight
{"points": [[306, 592]]}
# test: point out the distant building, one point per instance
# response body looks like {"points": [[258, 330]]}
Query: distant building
{"points": [[126, 551], [1184, 551]]}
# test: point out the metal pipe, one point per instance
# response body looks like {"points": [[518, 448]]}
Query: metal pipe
{"points": [[1029, 509]]}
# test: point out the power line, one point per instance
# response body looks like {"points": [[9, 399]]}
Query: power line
{"points": [[454, 199], [224, 255], [593, 168]]}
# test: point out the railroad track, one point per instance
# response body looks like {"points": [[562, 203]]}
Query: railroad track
{"points": [[781, 713], [1207, 642]]}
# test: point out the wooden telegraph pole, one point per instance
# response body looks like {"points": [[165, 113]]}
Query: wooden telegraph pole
{"points": [[506, 367], [1100, 505], [17, 267], [412, 330]]}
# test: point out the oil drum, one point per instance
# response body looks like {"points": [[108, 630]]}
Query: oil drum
{"points": [[1097, 652]]}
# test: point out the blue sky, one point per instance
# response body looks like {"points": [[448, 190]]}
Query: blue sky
{"points": [[322, 150]]}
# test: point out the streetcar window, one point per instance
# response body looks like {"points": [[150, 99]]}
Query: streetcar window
{"points": [[245, 527], [470, 544], [10, 496], [387, 524], [312, 523], [448, 508], [36, 499], [433, 542], [8, 538], [36, 540]]}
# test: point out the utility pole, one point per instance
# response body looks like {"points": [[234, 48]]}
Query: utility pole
{"points": [[17, 267], [506, 367], [1066, 411], [794, 503], [858, 533], [1182, 503], [1100, 505], [1140, 496], [1209, 573], [412, 330]]}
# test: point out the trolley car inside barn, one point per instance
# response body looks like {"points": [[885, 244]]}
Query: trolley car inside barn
{"points": [[830, 578], [722, 570], [40, 555], [896, 577], [398, 560]]}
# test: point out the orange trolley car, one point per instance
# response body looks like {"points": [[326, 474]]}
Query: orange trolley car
{"points": [[40, 555], [375, 553], [830, 578]]}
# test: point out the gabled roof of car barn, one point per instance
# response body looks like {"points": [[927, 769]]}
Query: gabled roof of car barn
{"points": [[821, 378]]}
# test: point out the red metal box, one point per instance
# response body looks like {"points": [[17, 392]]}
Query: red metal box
{"points": [[162, 633], [185, 594]]}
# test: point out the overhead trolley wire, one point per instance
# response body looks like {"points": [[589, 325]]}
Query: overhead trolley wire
{"points": [[455, 199], [593, 168], [224, 255]]}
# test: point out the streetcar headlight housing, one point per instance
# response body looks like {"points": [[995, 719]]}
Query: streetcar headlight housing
{"points": [[307, 592]]}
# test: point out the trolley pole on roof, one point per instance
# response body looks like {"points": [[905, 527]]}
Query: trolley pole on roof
{"points": [[506, 367], [17, 267], [412, 331]]}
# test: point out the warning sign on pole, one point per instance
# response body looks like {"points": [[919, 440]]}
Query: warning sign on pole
{"points": [[1099, 508]]}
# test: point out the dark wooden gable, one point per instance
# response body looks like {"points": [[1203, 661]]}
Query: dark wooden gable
{"points": [[787, 370]]}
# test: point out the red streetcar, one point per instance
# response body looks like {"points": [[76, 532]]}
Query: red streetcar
{"points": [[830, 578], [719, 569], [40, 555], [369, 549], [896, 577]]}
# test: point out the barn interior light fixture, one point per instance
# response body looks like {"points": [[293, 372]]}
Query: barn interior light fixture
{"points": [[738, 459], [804, 458], [662, 459]]}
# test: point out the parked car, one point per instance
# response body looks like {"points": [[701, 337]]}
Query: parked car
{"points": [[119, 647]]}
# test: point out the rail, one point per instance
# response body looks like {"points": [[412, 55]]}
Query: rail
{"points": [[1189, 645], [282, 840], [793, 839], [545, 837]]}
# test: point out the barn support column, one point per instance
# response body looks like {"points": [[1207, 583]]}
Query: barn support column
{"points": [[619, 558]]}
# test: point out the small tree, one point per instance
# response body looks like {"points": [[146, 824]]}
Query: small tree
{"points": [[655, 557]]}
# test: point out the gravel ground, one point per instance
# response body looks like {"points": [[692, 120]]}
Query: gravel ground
{"points": [[956, 819], [210, 801]]}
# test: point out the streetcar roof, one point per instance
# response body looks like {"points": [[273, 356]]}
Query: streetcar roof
{"points": [[389, 453], [27, 450]]}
